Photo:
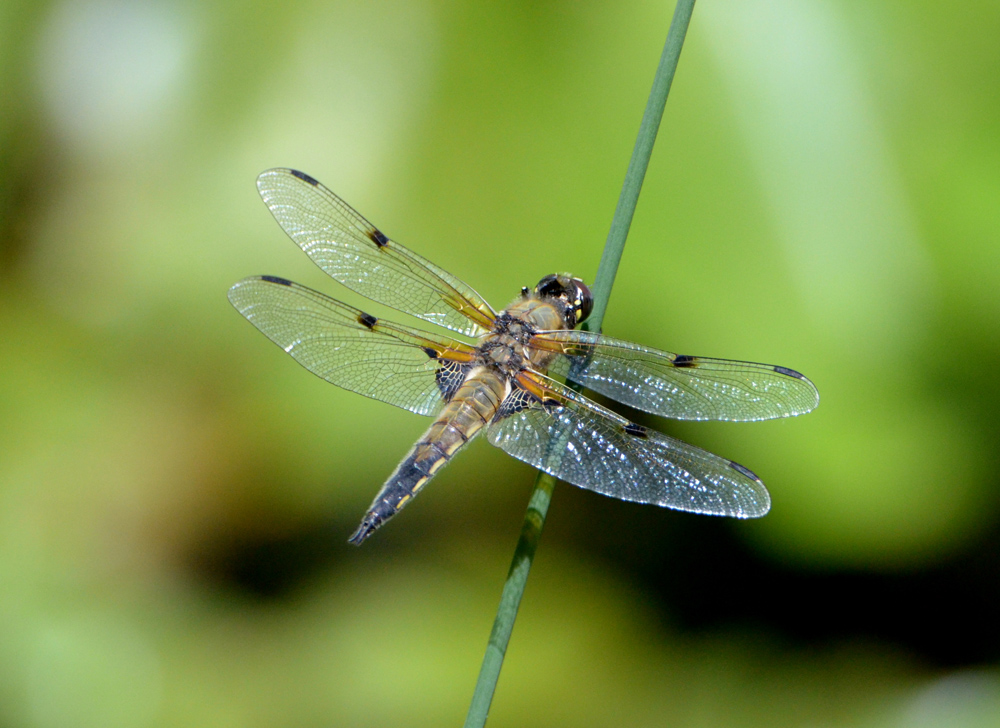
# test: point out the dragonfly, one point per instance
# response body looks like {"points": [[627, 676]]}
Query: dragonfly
{"points": [[509, 384]]}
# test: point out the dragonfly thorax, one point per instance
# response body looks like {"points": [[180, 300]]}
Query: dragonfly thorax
{"points": [[505, 348]]}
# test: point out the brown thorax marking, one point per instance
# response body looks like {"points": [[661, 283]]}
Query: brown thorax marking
{"points": [[505, 347]]}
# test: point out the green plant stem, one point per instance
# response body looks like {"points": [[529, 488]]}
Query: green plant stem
{"points": [[510, 599], [534, 519]]}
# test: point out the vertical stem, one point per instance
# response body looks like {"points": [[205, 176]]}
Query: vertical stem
{"points": [[534, 519], [510, 599]]}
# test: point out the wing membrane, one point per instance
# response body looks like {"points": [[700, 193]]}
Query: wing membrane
{"points": [[354, 252], [572, 438], [672, 385], [346, 346]]}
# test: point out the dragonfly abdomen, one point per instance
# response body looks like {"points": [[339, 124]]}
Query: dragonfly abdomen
{"points": [[472, 406], [407, 479]]}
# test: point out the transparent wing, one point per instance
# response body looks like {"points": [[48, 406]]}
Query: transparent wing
{"points": [[674, 385], [354, 252], [350, 348], [572, 438]]}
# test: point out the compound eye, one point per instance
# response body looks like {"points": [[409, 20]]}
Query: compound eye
{"points": [[584, 303], [550, 286]]}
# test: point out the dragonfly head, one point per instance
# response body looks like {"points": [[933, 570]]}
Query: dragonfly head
{"points": [[573, 292]]}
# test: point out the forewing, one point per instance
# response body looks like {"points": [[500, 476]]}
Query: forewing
{"points": [[350, 348], [354, 252], [572, 438], [678, 386]]}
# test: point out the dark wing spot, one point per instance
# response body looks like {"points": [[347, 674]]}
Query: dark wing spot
{"points": [[551, 404], [744, 471], [449, 378], [518, 400], [788, 372], [430, 352], [685, 361], [378, 238], [275, 279], [366, 319], [304, 177], [636, 430]]}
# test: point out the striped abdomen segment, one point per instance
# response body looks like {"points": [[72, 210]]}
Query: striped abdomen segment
{"points": [[472, 406]]}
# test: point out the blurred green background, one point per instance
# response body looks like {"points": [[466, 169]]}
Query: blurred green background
{"points": [[176, 493]]}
